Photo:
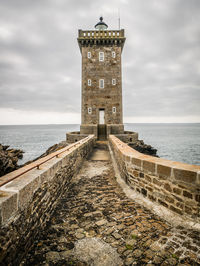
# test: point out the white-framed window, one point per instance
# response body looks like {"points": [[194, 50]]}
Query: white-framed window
{"points": [[101, 56], [89, 110], [89, 55], [89, 82], [113, 54], [113, 81], [101, 83], [114, 109]]}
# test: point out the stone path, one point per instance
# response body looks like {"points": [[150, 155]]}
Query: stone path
{"points": [[96, 224]]}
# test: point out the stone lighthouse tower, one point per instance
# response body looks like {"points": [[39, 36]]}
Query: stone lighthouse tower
{"points": [[101, 110]]}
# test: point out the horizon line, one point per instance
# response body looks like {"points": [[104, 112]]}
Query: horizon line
{"points": [[80, 123]]}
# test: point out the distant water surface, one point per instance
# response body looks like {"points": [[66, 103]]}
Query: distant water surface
{"points": [[177, 142]]}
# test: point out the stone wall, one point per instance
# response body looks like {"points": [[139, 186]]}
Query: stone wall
{"points": [[174, 185], [115, 129], [27, 202], [101, 98], [87, 129], [72, 137], [128, 136]]}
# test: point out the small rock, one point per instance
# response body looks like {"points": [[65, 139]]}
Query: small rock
{"points": [[170, 261], [130, 243], [101, 222], [129, 261], [116, 235], [157, 260], [149, 254], [109, 231], [137, 253], [79, 235]]}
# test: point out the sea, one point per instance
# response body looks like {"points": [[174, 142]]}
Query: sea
{"points": [[177, 142]]}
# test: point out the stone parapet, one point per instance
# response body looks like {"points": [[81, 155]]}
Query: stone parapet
{"points": [[75, 136], [174, 185], [98, 37], [128, 136], [27, 202]]}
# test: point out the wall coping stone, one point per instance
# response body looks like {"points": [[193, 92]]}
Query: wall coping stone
{"points": [[130, 152]]}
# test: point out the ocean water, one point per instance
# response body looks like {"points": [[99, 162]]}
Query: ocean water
{"points": [[177, 142]]}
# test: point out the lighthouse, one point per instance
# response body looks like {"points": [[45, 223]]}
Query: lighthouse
{"points": [[101, 104]]}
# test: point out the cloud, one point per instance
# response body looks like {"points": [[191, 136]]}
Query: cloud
{"points": [[40, 62]]}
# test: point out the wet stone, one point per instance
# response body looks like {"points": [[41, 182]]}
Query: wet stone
{"points": [[101, 222], [137, 253], [94, 213], [79, 235], [116, 235], [157, 260]]}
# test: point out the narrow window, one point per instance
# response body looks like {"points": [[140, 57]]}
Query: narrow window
{"points": [[101, 56], [89, 54], [113, 81], [101, 83], [89, 110], [113, 54], [114, 110], [89, 82]]}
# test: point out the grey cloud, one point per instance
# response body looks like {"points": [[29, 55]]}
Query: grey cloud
{"points": [[40, 62]]}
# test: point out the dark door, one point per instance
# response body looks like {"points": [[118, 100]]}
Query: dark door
{"points": [[102, 126], [102, 132]]}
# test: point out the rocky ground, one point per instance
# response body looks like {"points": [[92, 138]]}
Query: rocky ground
{"points": [[51, 149], [140, 146], [9, 159], [96, 224]]}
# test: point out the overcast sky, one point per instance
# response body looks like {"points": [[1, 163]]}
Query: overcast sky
{"points": [[40, 61]]}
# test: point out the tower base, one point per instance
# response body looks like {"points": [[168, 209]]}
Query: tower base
{"points": [[99, 130], [102, 132]]}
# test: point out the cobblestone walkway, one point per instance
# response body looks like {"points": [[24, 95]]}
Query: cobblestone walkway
{"points": [[96, 207]]}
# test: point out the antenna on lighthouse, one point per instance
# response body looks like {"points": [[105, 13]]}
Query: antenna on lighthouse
{"points": [[118, 18]]}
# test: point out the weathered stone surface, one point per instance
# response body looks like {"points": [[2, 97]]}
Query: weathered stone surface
{"points": [[136, 162], [9, 159], [187, 194], [8, 203], [52, 257], [163, 170], [96, 252], [185, 176]]}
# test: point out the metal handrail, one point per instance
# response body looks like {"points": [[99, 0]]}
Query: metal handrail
{"points": [[17, 173]]}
